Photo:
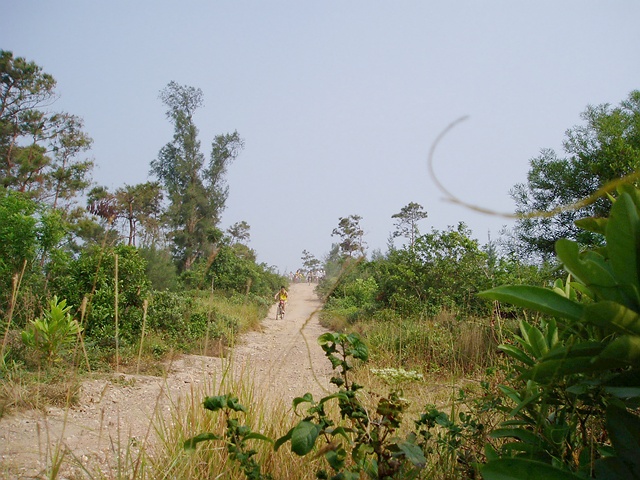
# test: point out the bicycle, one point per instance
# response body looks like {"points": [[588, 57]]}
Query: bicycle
{"points": [[280, 311]]}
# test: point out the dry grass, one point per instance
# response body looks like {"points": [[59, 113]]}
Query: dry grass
{"points": [[210, 460]]}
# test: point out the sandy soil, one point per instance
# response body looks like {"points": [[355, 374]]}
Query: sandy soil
{"points": [[284, 360]]}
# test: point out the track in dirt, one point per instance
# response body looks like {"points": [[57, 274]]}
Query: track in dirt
{"points": [[283, 359]]}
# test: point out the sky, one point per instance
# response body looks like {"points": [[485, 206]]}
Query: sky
{"points": [[338, 102]]}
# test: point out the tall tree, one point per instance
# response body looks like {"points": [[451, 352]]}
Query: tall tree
{"points": [[407, 222], [606, 147], [196, 192], [351, 235], [38, 149]]}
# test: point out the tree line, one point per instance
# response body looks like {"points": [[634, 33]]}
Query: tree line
{"points": [[445, 269], [62, 235]]}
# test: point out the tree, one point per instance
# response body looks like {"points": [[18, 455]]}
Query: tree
{"points": [[196, 191], [239, 232], [28, 231], [407, 222], [224, 150], [351, 235], [309, 262], [38, 149], [605, 148], [69, 176], [139, 205]]}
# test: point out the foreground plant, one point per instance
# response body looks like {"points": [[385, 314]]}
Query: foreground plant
{"points": [[368, 441], [365, 441], [574, 407], [51, 333], [236, 436]]}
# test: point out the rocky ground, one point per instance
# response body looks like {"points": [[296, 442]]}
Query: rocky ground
{"points": [[116, 413]]}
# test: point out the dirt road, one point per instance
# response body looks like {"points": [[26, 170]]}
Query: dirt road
{"points": [[283, 359]]}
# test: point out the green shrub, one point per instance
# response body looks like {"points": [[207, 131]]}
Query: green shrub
{"points": [[574, 406], [93, 275], [51, 333]]}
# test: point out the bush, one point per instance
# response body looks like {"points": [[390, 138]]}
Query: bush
{"points": [[51, 333], [574, 406], [92, 275]]}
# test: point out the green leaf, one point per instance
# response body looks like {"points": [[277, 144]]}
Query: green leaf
{"points": [[336, 458], [625, 349], [282, 440], [258, 436], [551, 334], [517, 354], [215, 403], [306, 398], [592, 224], [340, 431], [232, 403], [203, 437], [583, 289], [303, 437], [358, 348], [525, 402], [413, 453], [327, 338], [521, 434], [623, 239], [534, 340], [590, 270], [511, 393], [625, 393], [612, 316], [523, 469], [536, 298], [566, 361]]}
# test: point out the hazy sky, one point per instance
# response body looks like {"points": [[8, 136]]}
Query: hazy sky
{"points": [[339, 102]]}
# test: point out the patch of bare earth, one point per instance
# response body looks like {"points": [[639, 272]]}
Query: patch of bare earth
{"points": [[116, 415]]}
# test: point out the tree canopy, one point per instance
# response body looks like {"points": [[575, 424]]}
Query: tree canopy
{"points": [[38, 149], [604, 148]]}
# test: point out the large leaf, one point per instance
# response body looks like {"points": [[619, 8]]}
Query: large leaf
{"points": [[623, 239], [523, 469], [517, 354], [592, 224], [534, 340], [536, 298], [590, 269], [624, 349], [612, 316], [413, 453], [566, 361], [303, 437]]}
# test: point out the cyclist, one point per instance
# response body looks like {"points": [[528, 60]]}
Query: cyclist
{"points": [[282, 296]]}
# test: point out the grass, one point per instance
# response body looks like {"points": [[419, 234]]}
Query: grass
{"points": [[428, 345]]}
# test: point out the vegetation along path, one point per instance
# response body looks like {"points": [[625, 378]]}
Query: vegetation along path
{"points": [[115, 415]]}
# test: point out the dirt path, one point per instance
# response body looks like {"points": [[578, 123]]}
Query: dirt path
{"points": [[117, 413]]}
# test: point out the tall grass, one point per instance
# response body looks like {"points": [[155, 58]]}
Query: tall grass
{"points": [[443, 343]]}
